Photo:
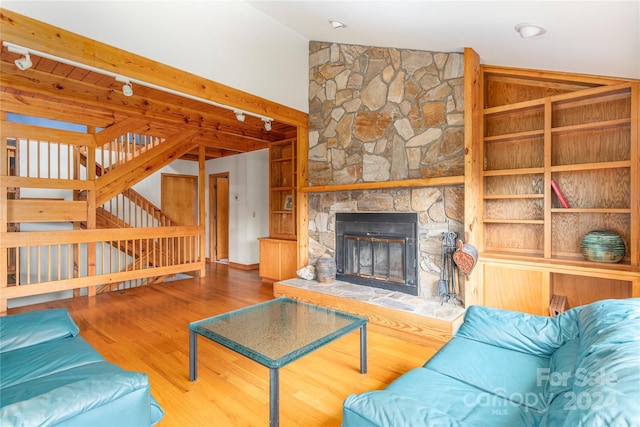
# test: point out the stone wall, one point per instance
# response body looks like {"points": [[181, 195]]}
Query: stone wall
{"points": [[385, 114]]}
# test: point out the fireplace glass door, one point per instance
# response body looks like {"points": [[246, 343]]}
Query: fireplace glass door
{"points": [[379, 258]]}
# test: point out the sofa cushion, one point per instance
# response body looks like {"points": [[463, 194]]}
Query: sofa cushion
{"points": [[72, 400], [526, 333], [497, 371], [460, 400], [387, 409], [49, 357], [28, 389], [606, 389], [26, 329]]}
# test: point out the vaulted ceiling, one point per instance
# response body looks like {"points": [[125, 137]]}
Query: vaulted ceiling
{"points": [[58, 91]]}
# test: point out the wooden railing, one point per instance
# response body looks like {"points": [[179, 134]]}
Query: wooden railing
{"points": [[63, 260], [131, 209], [125, 148], [140, 245]]}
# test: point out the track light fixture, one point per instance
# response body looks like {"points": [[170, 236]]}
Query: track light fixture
{"points": [[239, 115], [267, 124], [127, 88], [24, 63]]}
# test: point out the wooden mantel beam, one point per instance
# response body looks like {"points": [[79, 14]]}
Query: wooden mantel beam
{"points": [[34, 34]]}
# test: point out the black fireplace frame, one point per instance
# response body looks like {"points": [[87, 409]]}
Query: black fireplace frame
{"points": [[385, 225]]}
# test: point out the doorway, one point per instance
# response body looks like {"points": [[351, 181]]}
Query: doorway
{"points": [[219, 217], [179, 200]]}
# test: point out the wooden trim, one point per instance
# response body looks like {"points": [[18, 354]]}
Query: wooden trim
{"points": [[407, 183], [302, 198], [38, 35], [553, 75], [635, 174], [245, 267], [407, 326]]}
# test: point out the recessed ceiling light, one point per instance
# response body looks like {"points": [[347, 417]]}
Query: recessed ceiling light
{"points": [[336, 24], [529, 30]]}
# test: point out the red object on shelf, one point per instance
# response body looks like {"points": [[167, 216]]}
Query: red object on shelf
{"points": [[556, 189]]}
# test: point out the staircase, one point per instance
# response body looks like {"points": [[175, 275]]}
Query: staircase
{"points": [[118, 238], [129, 209]]}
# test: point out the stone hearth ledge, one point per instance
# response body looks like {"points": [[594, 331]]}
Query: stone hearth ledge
{"points": [[381, 297]]}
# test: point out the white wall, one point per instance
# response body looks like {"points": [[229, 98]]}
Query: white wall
{"points": [[248, 213], [228, 42], [248, 204]]}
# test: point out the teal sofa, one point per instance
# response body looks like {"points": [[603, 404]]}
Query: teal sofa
{"points": [[512, 369], [50, 376]]}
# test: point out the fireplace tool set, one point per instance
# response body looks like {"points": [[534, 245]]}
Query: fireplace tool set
{"points": [[447, 289]]}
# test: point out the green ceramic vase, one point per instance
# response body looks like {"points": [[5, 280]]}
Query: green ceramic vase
{"points": [[603, 246]]}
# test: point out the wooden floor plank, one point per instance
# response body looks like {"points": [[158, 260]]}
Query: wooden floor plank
{"points": [[146, 330]]}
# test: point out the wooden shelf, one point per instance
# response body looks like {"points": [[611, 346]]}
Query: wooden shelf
{"points": [[516, 107], [523, 171], [591, 126], [586, 140], [515, 136], [513, 196], [513, 221], [591, 166], [278, 252], [591, 210], [422, 182]]}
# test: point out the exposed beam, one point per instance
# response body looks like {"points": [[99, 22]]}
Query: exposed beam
{"points": [[28, 105], [41, 36], [101, 97]]}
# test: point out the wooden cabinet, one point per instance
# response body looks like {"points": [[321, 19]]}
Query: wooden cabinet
{"points": [[582, 135], [277, 259], [278, 253]]}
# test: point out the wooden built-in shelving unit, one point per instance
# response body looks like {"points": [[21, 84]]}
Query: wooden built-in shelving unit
{"points": [[582, 134], [278, 252]]}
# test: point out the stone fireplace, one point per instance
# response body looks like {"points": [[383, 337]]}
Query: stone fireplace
{"points": [[379, 116]]}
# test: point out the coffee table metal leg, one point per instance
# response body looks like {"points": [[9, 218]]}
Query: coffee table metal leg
{"points": [[193, 356], [274, 397], [363, 349]]}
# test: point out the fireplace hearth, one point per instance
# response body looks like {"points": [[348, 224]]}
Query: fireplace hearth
{"points": [[378, 250]]}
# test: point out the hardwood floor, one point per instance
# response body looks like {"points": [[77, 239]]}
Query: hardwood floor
{"points": [[145, 330]]}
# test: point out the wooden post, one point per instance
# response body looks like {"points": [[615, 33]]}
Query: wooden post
{"points": [[472, 168], [302, 213], [4, 253], [202, 220], [91, 217]]}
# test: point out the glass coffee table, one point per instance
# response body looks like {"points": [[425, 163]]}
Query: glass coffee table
{"points": [[275, 333]]}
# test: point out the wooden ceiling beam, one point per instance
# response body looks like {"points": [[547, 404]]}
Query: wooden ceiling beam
{"points": [[54, 87], [34, 34], [27, 105], [76, 92]]}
